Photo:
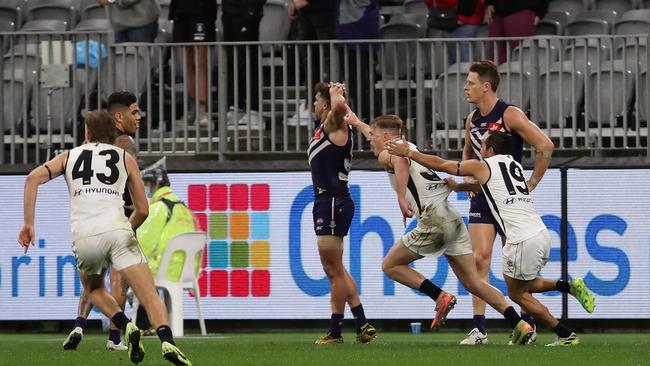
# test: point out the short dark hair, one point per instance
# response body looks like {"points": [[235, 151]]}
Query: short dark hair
{"points": [[121, 98], [388, 122], [101, 126], [487, 72], [324, 90], [500, 142]]}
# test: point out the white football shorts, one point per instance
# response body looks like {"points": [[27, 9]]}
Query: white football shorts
{"points": [[523, 260], [116, 248]]}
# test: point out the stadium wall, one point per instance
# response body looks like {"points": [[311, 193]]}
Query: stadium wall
{"points": [[262, 263]]}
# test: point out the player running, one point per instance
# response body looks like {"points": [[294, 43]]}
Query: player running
{"points": [[440, 230], [528, 242], [97, 174], [124, 108], [330, 160]]}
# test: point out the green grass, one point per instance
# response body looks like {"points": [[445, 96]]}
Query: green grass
{"points": [[400, 349]]}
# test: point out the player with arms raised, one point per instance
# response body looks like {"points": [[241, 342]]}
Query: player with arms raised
{"points": [[97, 174], [330, 158]]}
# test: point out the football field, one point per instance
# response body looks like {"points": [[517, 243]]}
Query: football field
{"points": [[401, 349]]}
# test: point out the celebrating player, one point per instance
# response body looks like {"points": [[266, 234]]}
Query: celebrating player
{"points": [[528, 242], [440, 230], [97, 174], [330, 159]]}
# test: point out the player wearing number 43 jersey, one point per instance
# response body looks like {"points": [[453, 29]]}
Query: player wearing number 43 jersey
{"points": [[528, 243], [96, 174], [440, 229]]}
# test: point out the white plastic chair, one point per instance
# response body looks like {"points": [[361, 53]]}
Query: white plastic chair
{"points": [[191, 243]]}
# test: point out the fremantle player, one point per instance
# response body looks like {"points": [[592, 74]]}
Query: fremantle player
{"points": [[125, 110], [493, 114], [528, 243], [440, 229], [97, 174], [330, 159]]}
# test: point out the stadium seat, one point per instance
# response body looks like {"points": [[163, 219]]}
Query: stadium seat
{"points": [[415, 7], [633, 22], [192, 244], [45, 25], [547, 51], [94, 11], [593, 22], [94, 24], [396, 54], [619, 6], [130, 69], [556, 101], [15, 94], [11, 10], [450, 98], [553, 23], [62, 10], [633, 51], [436, 65], [591, 50], [22, 57], [514, 84], [573, 7], [613, 97]]}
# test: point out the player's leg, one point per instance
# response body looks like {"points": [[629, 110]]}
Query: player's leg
{"points": [[482, 237], [519, 292], [396, 266], [118, 291], [576, 288], [126, 257], [83, 310], [365, 331], [330, 250]]}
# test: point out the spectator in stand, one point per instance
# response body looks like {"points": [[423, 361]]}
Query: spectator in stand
{"points": [[195, 21], [313, 20], [241, 23], [508, 18], [358, 19], [470, 14], [133, 20]]}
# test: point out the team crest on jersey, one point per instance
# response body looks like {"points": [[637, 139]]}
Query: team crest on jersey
{"points": [[319, 221], [495, 126]]}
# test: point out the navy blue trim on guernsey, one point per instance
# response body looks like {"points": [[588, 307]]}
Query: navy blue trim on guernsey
{"points": [[414, 192], [65, 164], [488, 195]]}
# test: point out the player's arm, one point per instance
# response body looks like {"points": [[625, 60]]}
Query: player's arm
{"points": [[136, 187], [36, 177], [127, 144], [351, 119], [474, 168], [517, 121], [339, 108], [400, 167]]}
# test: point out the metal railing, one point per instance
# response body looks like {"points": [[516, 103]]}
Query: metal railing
{"points": [[564, 84]]}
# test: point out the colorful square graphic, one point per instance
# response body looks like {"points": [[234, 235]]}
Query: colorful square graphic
{"points": [[237, 258]]}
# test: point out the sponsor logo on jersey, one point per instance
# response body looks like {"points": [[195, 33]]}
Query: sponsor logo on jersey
{"points": [[509, 201], [433, 186]]}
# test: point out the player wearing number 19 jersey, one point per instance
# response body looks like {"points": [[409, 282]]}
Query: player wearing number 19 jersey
{"points": [[440, 229], [528, 243]]}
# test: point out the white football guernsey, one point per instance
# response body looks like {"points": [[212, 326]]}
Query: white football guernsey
{"points": [[424, 188], [509, 200], [96, 177]]}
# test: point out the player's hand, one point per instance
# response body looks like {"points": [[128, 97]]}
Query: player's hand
{"points": [[468, 179], [351, 118], [338, 88], [26, 236], [531, 184], [407, 211], [451, 182], [398, 147]]}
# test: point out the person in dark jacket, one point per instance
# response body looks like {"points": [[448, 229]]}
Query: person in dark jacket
{"points": [[470, 17], [507, 18]]}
